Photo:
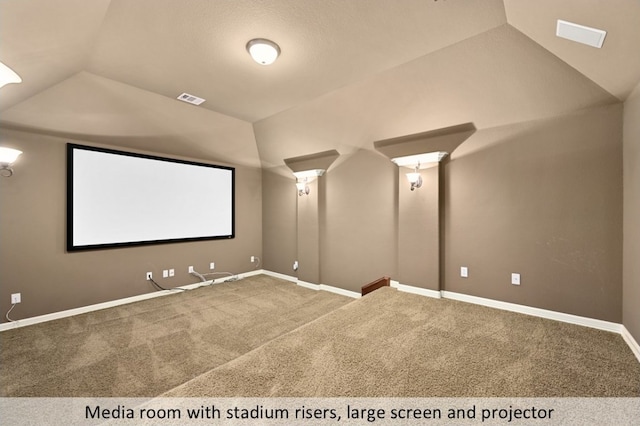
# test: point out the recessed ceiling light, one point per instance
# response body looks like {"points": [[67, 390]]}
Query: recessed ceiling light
{"points": [[263, 51], [7, 75], [581, 34]]}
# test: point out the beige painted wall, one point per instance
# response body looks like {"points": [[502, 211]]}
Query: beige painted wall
{"points": [[360, 222], [308, 232], [541, 198], [33, 260], [358, 237], [631, 167], [279, 222], [544, 200], [418, 231]]}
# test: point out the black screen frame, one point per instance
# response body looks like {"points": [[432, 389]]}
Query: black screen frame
{"points": [[71, 247]]}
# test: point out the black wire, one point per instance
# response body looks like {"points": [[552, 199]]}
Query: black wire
{"points": [[162, 288]]}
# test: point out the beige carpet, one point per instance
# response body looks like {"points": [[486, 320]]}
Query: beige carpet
{"points": [[148, 347], [397, 344]]}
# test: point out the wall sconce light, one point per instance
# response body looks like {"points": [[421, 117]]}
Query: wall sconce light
{"points": [[7, 157], [263, 51], [414, 178], [303, 188], [304, 177], [415, 161]]}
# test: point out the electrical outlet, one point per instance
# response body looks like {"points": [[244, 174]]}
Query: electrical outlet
{"points": [[149, 276], [190, 269], [212, 266], [296, 265], [464, 271], [172, 272], [16, 298], [253, 259], [515, 279], [165, 273]]}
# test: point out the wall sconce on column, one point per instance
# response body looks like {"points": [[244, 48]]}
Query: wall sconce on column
{"points": [[303, 188], [414, 178], [7, 157], [304, 177], [415, 162]]}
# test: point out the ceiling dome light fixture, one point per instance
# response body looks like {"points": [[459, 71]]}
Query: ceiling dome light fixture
{"points": [[263, 51], [7, 75], [7, 157]]}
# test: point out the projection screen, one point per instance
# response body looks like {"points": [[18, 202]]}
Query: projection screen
{"points": [[117, 198]]}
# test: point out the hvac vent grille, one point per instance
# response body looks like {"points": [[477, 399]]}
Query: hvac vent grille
{"points": [[185, 97], [581, 34]]}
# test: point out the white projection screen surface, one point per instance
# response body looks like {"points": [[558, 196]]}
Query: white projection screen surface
{"points": [[116, 199]]}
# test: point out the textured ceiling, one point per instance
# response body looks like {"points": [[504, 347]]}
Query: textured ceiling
{"points": [[351, 71]]}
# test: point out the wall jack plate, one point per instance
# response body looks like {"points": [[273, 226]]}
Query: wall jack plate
{"points": [[16, 298], [515, 279], [464, 272], [149, 276]]}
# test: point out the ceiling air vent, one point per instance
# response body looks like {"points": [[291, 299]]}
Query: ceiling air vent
{"points": [[190, 99], [585, 35]]}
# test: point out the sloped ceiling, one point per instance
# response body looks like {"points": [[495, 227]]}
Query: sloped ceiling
{"points": [[350, 72]]}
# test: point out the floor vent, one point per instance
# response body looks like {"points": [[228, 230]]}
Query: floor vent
{"points": [[190, 99]]}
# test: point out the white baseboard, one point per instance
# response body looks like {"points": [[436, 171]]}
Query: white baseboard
{"points": [[416, 290], [96, 307], [340, 291], [543, 313], [635, 348], [251, 273], [310, 286], [328, 288], [113, 303], [279, 275]]}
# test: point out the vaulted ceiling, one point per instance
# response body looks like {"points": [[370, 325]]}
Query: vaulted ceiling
{"points": [[351, 71]]}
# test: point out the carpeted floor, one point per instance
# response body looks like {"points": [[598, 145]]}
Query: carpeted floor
{"points": [[402, 345], [148, 347], [262, 336]]}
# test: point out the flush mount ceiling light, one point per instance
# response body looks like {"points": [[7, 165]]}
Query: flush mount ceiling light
{"points": [[7, 75], [579, 33], [263, 51]]}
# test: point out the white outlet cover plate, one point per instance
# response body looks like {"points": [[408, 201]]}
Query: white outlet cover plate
{"points": [[515, 279], [212, 265], [16, 298], [464, 272]]}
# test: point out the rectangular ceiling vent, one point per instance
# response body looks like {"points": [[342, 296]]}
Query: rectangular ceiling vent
{"points": [[190, 99], [581, 34]]}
